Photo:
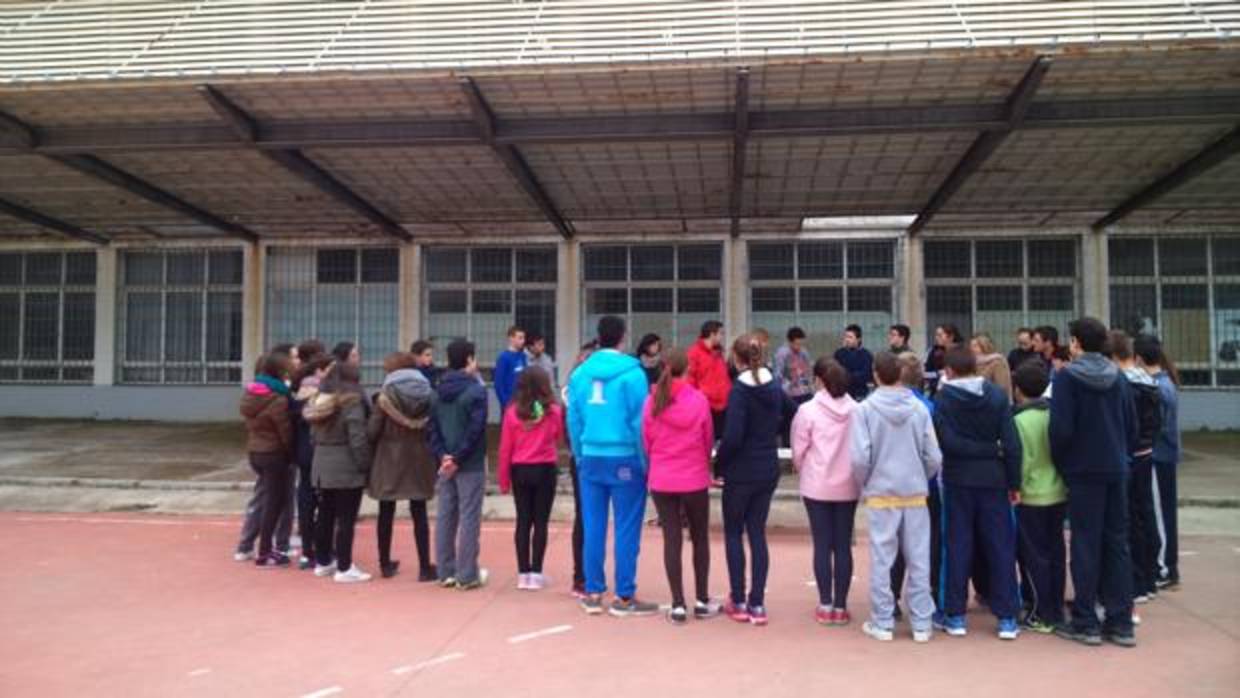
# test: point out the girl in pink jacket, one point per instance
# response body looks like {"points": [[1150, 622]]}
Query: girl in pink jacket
{"points": [[678, 434], [820, 453]]}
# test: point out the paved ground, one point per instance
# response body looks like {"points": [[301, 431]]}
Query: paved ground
{"points": [[129, 604]]}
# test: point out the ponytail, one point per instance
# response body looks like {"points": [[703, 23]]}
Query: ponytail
{"points": [[675, 366], [747, 350]]}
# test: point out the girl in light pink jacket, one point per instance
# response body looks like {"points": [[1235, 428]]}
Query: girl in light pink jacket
{"points": [[820, 453], [677, 433]]}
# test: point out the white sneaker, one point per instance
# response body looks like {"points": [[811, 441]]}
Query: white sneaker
{"points": [[325, 570], [354, 574], [922, 636], [537, 582], [1136, 619], [523, 582], [876, 632], [243, 556]]}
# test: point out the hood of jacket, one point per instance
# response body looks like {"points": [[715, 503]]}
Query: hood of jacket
{"points": [[677, 414], [606, 364], [309, 388], [761, 393], [973, 385], [1094, 371], [409, 391], [837, 409], [454, 384], [1137, 376], [324, 406], [257, 397], [896, 405]]}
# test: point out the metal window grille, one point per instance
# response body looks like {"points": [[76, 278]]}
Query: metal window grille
{"points": [[47, 317], [999, 286], [1185, 290], [821, 287], [179, 316], [664, 289], [477, 293], [336, 294]]}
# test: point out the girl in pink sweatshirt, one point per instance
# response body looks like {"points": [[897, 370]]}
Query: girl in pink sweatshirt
{"points": [[820, 453], [529, 448], [678, 434]]}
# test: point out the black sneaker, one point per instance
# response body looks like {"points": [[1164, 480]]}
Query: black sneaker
{"points": [[271, 560], [388, 569], [592, 604], [1168, 583], [1121, 639], [703, 610], [677, 615], [1068, 632]]}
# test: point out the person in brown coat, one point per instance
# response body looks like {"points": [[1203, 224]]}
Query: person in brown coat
{"points": [[404, 468], [269, 441], [991, 365]]}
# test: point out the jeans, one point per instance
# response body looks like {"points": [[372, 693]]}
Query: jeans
{"points": [[254, 515], [533, 491], [337, 518], [608, 482], [273, 477], [459, 524], [831, 527], [746, 506], [673, 508]]}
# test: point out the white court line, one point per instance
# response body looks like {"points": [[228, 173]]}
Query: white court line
{"points": [[329, 691], [428, 663], [199, 672], [1189, 553], [136, 522], [555, 630]]}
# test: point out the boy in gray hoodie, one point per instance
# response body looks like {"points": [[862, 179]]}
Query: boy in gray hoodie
{"points": [[894, 453]]}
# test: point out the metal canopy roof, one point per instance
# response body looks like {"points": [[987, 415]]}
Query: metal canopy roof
{"points": [[644, 143]]}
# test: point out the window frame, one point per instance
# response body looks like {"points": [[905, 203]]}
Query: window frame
{"points": [[61, 289]]}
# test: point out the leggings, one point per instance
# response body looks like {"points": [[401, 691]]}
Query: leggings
{"points": [[307, 510], [579, 532], [673, 507], [337, 516], [421, 531], [831, 525], [746, 506], [533, 489]]}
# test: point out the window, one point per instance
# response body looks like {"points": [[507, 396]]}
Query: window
{"points": [[1186, 290], [336, 295], [477, 293], [47, 317], [822, 286], [999, 286], [179, 315], [665, 289]]}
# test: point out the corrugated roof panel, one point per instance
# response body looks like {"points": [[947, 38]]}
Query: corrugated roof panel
{"points": [[377, 99], [1220, 185], [1166, 73], [635, 90], [107, 105]]}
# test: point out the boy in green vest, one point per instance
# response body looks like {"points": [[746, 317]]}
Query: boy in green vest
{"points": [[1043, 503]]}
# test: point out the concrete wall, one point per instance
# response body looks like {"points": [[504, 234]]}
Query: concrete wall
{"points": [[162, 403], [1209, 409]]}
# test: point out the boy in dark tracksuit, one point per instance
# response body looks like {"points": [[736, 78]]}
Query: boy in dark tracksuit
{"points": [[981, 477], [1093, 430], [1143, 540]]}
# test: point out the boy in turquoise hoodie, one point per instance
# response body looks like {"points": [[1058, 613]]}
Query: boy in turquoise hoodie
{"points": [[1043, 503], [606, 395]]}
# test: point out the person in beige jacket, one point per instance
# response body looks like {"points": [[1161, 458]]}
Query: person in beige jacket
{"points": [[991, 365]]}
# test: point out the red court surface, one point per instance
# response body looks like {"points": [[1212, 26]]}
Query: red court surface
{"points": [[127, 605]]}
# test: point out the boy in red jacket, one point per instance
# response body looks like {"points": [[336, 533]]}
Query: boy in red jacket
{"points": [[708, 371]]}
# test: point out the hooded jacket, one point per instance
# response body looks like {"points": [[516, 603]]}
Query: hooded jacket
{"points": [[859, 363], [459, 421], [893, 447], [994, 368], [708, 372], [403, 465], [606, 394], [536, 442], [1040, 483], [749, 450], [1018, 356], [821, 441], [678, 441], [1167, 445], [980, 445], [268, 427], [303, 444], [1145, 398], [342, 453], [1093, 426]]}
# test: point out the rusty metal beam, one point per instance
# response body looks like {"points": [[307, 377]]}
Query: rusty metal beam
{"points": [[508, 154], [20, 134], [45, 221], [740, 146], [1199, 164], [1015, 112]]}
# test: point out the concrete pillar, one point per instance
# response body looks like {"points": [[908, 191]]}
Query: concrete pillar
{"points": [[911, 288], [105, 314], [735, 285], [252, 340], [410, 302], [568, 330], [1095, 270]]}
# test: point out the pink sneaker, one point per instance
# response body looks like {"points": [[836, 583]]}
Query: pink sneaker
{"points": [[757, 615], [736, 612], [824, 616], [840, 617]]}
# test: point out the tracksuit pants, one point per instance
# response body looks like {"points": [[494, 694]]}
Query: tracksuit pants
{"points": [[608, 482], [1143, 540], [1098, 516], [1043, 559], [907, 530], [979, 518], [1167, 513], [458, 524]]}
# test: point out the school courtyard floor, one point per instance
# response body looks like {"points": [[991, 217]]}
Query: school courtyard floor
{"points": [[152, 605]]}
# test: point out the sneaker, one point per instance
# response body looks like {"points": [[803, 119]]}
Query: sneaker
{"points": [[1168, 583], [304, 563], [272, 561], [523, 582], [448, 582], [824, 615], [592, 604], [1038, 625], [1128, 640], [479, 582], [388, 570], [938, 621], [1068, 632], [956, 626], [539, 581], [677, 615], [1141, 599], [880, 634], [622, 608], [922, 636], [428, 574], [1008, 629], [736, 611], [325, 570], [353, 575], [705, 610], [579, 590], [243, 555], [840, 616], [757, 615], [1136, 619]]}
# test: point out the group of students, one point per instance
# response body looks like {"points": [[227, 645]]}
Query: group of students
{"points": [[966, 465]]}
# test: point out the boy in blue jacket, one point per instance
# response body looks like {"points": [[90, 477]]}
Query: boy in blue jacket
{"points": [[858, 361], [981, 480], [1093, 429], [606, 395], [507, 365]]}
